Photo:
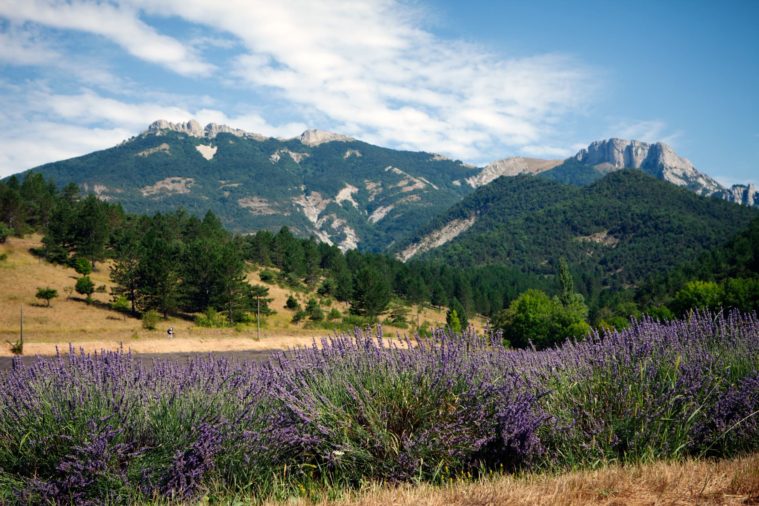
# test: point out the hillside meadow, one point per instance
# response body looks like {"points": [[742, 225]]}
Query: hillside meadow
{"points": [[96, 326]]}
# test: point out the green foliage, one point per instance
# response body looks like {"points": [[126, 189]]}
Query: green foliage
{"points": [[267, 276], [452, 321], [47, 294], [82, 266], [121, 304], [543, 321], [85, 286], [299, 316], [371, 293], [292, 303], [5, 231], [334, 314], [17, 346], [398, 315], [698, 295], [150, 319], [622, 229], [314, 311], [212, 319]]}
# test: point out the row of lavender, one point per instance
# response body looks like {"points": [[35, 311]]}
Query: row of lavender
{"points": [[105, 428]]}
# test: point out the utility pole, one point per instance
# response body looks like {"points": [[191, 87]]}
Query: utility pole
{"points": [[258, 317], [21, 327]]}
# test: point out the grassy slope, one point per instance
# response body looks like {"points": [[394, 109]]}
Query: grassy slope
{"points": [[734, 481], [95, 326]]}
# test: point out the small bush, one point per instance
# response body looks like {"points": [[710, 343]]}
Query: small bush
{"points": [[17, 347], [212, 319], [150, 319], [85, 286], [121, 304], [314, 311], [82, 266], [267, 276], [292, 303], [299, 316], [5, 231], [334, 314], [47, 294]]}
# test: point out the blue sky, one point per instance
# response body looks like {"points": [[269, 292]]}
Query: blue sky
{"points": [[476, 80]]}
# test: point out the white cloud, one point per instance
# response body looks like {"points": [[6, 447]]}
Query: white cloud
{"points": [[371, 71], [22, 47], [646, 130], [46, 126], [366, 68], [547, 151], [118, 23]]}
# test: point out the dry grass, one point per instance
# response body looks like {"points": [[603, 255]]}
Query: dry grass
{"points": [[692, 482], [95, 327]]}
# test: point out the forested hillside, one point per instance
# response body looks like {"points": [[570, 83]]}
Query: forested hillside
{"points": [[614, 233]]}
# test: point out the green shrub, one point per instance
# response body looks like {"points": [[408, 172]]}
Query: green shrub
{"points": [[334, 314], [46, 294], [85, 286], [82, 266], [5, 231], [150, 319], [292, 303], [314, 311], [212, 319], [299, 316], [267, 276], [121, 304]]}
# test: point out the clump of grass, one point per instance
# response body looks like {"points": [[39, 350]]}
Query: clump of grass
{"points": [[150, 319], [212, 319]]}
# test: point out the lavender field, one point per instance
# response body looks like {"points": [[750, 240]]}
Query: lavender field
{"points": [[106, 428]]}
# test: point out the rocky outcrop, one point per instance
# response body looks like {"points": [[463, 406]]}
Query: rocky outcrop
{"points": [[313, 138], [168, 186], [510, 167], [658, 159], [437, 238], [194, 129], [744, 194]]}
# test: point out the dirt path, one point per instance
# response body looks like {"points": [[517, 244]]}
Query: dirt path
{"points": [[166, 345]]}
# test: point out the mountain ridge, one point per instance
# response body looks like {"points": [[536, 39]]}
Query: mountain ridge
{"points": [[337, 188]]}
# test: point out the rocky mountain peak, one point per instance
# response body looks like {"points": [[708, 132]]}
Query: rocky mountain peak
{"points": [[314, 137], [510, 167], [657, 159], [193, 129]]}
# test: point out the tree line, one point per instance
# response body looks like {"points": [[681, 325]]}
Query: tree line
{"points": [[179, 263]]}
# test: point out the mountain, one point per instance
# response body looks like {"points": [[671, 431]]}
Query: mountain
{"points": [[341, 190], [513, 166], [658, 160], [622, 228]]}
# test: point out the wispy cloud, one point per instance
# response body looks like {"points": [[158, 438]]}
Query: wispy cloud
{"points": [[118, 23], [646, 131], [367, 68]]}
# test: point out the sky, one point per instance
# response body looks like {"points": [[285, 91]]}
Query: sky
{"points": [[476, 80]]}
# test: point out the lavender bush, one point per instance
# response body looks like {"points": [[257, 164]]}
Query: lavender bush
{"points": [[105, 428]]}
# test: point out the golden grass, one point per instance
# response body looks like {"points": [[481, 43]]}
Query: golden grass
{"points": [[95, 327], [699, 482]]}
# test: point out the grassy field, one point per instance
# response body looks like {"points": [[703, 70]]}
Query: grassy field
{"points": [[723, 482], [95, 326]]}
